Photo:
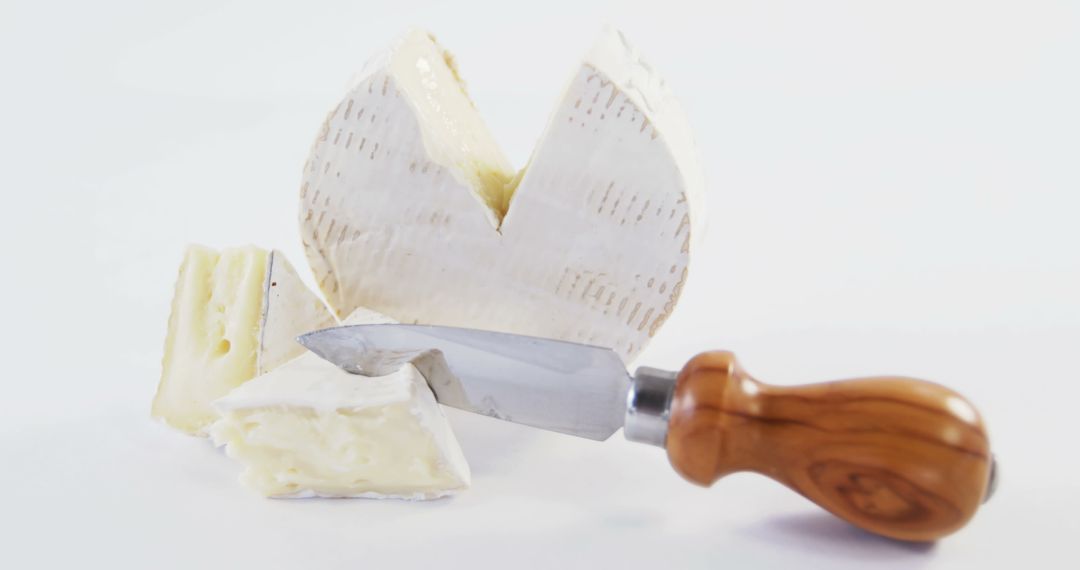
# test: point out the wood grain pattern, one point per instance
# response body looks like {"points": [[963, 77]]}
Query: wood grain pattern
{"points": [[898, 457]]}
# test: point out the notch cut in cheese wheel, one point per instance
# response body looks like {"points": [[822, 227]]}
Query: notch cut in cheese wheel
{"points": [[409, 207], [235, 314]]}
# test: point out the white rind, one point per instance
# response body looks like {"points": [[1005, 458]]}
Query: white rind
{"points": [[429, 496], [313, 383], [624, 66], [595, 245], [289, 310], [310, 383], [365, 316]]}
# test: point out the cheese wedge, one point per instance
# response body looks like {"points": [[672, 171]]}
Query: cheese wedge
{"points": [[310, 429], [409, 207], [235, 314]]}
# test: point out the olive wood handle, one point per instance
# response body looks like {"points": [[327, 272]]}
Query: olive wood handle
{"points": [[899, 457]]}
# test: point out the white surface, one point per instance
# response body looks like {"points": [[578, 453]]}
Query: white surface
{"points": [[892, 189]]}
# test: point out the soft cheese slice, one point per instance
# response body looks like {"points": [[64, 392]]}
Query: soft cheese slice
{"points": [[310, 429], [365, 316], [409, 207], [235, 314], [289, 309]]}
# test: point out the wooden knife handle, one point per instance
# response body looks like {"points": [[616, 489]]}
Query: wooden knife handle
{"points": [[899, 457]]}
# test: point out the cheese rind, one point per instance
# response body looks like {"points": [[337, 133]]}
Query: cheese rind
{"points": [[234, 313], [408, 206], [289, 309], [310, 429]]}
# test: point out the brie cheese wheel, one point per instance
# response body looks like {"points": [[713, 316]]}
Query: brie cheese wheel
{"points": [[310, 429], [235, 314], [409, 207]]}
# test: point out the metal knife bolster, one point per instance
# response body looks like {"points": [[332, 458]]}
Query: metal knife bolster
{"points": [[648, 406]]}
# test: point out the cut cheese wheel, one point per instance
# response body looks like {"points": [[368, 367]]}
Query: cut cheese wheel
{"points": [[408, 206], [235, 314]]}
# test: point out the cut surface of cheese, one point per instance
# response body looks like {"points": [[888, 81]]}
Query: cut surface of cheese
{"points": [[310, 429], [235, 314], [409, 207]]}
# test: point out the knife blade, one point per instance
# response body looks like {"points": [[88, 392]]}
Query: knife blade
{"points": [[896, 456], [554, 385]]}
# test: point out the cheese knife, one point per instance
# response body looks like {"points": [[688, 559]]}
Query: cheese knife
{"points": [[899, 457]]}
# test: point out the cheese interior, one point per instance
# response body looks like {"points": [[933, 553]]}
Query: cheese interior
{"points": [[454, 133], [212, 338], [235, 314], [311, 429]]}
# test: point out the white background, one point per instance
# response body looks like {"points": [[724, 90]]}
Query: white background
{"points": [[893, 187]]}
